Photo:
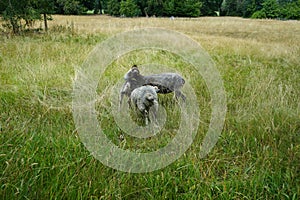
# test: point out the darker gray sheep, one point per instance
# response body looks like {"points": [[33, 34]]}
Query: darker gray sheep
{"points": [[165, 82]]}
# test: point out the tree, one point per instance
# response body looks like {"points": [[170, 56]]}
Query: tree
{"points": [[88, 4], [97, 7], [182, 8], [142, 4], [129, 8], [113, 7], [187, 8], [70, 7], [291, 10], [46, 8], [270, 9], [3, 5], [232, 7], [155, 7], [17, 11], [209, 7], [169, 8]]}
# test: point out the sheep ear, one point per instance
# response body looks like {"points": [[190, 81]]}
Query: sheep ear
{"points": [[156, 88]]}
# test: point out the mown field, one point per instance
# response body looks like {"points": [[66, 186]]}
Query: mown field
{"points": [[256, 157]]}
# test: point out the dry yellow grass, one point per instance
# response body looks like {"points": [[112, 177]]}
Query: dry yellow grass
{"points": [[267, 38]]}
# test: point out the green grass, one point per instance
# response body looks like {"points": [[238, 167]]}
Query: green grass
{"points": [[256, 157]]}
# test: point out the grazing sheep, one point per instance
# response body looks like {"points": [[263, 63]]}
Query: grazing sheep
{"points": [[144, 98], [165, 82]]}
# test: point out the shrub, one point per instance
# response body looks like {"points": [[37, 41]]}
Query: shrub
{"points": [[129, 8], [259, 15]]}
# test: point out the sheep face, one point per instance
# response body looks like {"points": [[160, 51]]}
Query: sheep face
{"points": [[144, 98], [132, 73]]}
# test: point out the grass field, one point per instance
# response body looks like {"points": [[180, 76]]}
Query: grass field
{"points": [[256, 157]]}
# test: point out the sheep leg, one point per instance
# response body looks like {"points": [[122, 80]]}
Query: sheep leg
{"points": [[124, 91], [146, 115], [121, 99], [155, 111]]}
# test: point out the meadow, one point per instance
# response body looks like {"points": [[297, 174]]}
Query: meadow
{"points": [[256, 157]]}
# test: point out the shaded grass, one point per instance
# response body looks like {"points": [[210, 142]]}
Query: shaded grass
{"points": [[256, 157]]}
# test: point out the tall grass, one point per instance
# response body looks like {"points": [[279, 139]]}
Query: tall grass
{"points": [[257, 156]]}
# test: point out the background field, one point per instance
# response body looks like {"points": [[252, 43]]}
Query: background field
{"points": [[257, 156]]}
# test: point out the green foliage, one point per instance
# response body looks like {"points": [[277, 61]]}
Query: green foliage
{"points": [[185, 8], [245, 8], [251, 6], [271, 9], [113, 7], [89, 4], [209, 7], [232, 8], [129, 8], [45, 6], [155, 8], [97, 7], [16, 12], [291, 10], [22, 14], [282, 9], [178, 8], [259, 15], [71, 7], [142, 4], [274, 9]]}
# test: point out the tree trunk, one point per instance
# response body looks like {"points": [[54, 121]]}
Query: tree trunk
{"points": [[45, 22], [15, 25], [100, 7]]}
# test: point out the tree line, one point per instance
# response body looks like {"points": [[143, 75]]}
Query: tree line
{"points": [[22, 13]]}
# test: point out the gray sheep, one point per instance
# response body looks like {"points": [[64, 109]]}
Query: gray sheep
{"points": [[144, 98], [165, 82]]}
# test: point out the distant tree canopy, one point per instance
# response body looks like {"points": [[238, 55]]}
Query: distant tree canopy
{"points": [[21, 13], [129, 8], [271, 9]]}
